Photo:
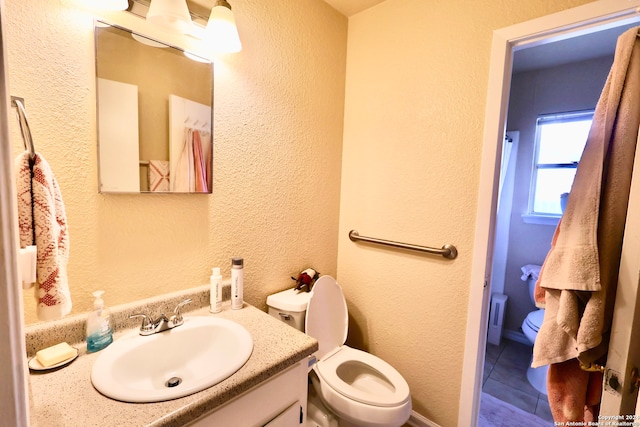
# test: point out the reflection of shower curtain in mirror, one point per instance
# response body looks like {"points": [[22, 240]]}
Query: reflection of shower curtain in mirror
{"points": [[191, 173]]}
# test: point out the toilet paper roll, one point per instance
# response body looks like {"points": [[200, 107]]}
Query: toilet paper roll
{"points": [[27, 266]]}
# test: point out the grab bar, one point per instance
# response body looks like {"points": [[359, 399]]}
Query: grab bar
{"points": [[447, 251]]}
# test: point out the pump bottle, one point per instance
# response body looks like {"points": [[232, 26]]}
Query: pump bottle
{"points": [[237, 273], [99, 332]]}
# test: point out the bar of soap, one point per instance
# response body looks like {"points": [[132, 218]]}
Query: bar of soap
{"points": [[55, 354]]}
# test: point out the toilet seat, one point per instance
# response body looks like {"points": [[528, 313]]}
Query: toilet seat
{"points": [[363, 377], [534, 319]]}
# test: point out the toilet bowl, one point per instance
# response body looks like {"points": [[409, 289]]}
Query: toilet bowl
{"points": [[537, 377], [358, 387]]}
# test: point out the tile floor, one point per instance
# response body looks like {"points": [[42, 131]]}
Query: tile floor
{"points": [[505, 378]]}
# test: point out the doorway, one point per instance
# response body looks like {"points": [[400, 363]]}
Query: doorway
{"points": [[552, 103], [583, 21]]}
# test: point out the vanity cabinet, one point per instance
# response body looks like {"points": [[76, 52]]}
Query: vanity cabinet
{"points": [[270, 388], [280, 401], [291, 416]]}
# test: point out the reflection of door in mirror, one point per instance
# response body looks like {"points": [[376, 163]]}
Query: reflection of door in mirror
{"points": [[118, 132], [137, 122]]}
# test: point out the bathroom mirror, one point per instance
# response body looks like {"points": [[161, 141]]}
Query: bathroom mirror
{"points": [[155, 115]]}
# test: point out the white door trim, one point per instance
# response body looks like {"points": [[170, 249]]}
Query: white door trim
{"points": [[624, 355], [14, 403], [581, 20]]}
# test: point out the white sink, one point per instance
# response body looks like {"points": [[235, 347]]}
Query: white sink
{"points": [[198, 354]]}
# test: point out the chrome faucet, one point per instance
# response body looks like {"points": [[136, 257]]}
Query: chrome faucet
{"points": [[162, 323]]}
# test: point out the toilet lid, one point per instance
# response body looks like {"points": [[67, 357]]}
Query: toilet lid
{"points": [[327, 316], [363, 377]]}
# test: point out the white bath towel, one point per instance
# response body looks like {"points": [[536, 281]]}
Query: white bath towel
{"points": [[580, 273], [40, 205]]}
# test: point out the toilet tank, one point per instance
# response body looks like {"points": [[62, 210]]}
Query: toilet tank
{"points": [[289, 306]]}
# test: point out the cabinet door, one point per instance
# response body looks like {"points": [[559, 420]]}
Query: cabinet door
{"points": [[272, 398], [289, 417]]}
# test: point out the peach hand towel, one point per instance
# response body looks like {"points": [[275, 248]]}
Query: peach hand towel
{"points": [[566, 405], [51, 234], [199, 163], [207, 152]]}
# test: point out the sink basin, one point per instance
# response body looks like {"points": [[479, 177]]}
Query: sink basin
{"points": [[180, 361]]}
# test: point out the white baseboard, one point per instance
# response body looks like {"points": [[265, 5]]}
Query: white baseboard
{"points": [[516, 336], [417, 420]]}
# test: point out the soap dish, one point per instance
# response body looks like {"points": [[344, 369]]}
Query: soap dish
{"points": [[37, 366]]}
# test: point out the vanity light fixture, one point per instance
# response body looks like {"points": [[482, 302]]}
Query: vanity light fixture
{"points": [[148, 41], [221, 31], [171, 15], [112, 4], [196, 58]]}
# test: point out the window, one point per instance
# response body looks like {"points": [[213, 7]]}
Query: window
{"points": [[560, 140]]}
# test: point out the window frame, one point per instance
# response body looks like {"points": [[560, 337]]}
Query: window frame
{"points": [[564, 117]]}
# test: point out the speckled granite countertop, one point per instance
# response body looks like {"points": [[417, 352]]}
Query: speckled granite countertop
{"points": [[65, 397]]}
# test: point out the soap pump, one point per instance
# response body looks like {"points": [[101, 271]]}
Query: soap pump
{"points": [[99, 331]]}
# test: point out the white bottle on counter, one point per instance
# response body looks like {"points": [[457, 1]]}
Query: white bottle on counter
{"points": [[237, 273], [215, 293]]}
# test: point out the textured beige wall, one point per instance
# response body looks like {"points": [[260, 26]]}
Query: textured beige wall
{"points": [[278, 144], [417, 75]]}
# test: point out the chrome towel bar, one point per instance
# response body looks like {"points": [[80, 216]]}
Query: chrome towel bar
{"points": [[447, 251]]}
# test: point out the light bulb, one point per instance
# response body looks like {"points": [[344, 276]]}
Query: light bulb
{"points": [[222, 32], [171, 15]]}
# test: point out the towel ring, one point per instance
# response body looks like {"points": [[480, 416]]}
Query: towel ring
{"points": [[27, 140]]}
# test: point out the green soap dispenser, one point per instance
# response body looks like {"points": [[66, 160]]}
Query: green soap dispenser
{"points": [[99, 330]]}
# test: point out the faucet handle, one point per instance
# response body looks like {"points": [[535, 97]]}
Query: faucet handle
{"points": [[147, 322], [177, 318]]}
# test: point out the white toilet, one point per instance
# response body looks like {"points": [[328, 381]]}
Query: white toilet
{"points": [[359, 388], [537, 376]]}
